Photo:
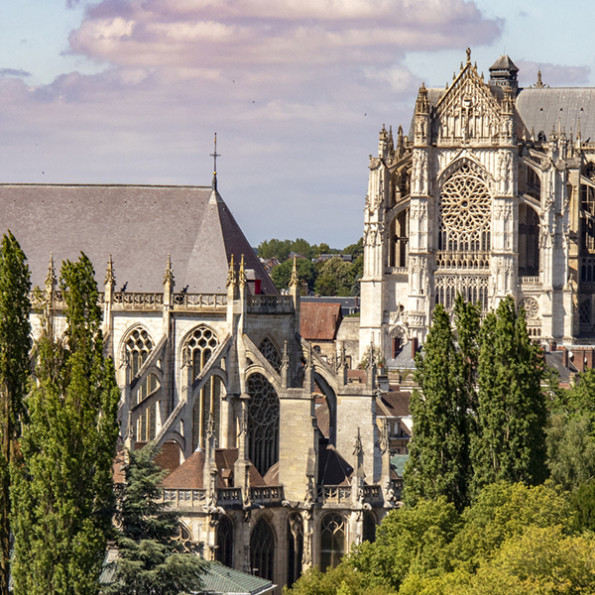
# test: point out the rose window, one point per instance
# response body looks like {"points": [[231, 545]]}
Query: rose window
{"points": [[465, 216]]}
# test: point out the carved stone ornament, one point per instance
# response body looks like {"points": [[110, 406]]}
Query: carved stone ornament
{"points": [[531, 307]]}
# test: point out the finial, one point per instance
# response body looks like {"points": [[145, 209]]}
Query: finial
{"points": [[578, 129], [109, 273], [539, 82], [294, 280], [50, 280], [358, 447], [214, 155], [242, 273], [468, 51], [168, 277], [231, 275]]}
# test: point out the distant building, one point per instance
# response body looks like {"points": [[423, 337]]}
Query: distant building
{"points": [[492, 193]]}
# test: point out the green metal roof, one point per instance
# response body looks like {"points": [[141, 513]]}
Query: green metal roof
{"points": [[222, 580]]}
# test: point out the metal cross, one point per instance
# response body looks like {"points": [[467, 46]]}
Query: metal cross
{"points": [[214, 155]]}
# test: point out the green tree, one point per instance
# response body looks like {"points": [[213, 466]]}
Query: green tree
{"points": [[63, 494], [275, 248], [334, 278], [150, 560], [356, 249], [15, 345], [281, 274], [301, 246], [511, 415], [439, 451]]}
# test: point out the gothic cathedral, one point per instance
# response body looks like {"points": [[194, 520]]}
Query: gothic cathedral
{"points": [[492, 193]]}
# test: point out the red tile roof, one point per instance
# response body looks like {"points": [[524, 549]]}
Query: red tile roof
{"points": [[319, 322]]}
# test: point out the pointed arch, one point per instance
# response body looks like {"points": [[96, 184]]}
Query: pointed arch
{"points": [[271, 353], [137, 346], [263, 423], [224, 541], [528, 237], [332, 540], [262, 550], [199, 346]]}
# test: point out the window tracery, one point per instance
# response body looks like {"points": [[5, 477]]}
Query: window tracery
{"points": [[332, 540], [263, 423], [224, 541], [465, 215], [528, 242], [400, 237], [295, 547], [138, 346], [262, 550], [268, 349], [588, 215], [199, 347]]}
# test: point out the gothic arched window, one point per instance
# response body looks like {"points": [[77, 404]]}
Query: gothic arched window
{"points": [[400, 237], [369, 532], [263, 423], [528, 242], [464, 220], [262, 550], [224, 541], [138, 346], [200, 346], [268, 349], [332, 540], [295, 547]]}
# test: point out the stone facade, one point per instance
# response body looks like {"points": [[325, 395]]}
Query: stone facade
{"points": [[492, 193], [212, 368]]}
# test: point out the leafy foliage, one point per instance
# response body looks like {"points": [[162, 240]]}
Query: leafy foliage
{"points": [[511, 415], [15, 345], [63, 493], [439, 453], [150, 559], [513, 539]]}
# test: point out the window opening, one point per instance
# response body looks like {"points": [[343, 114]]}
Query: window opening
{"points": [[262, 550], [332, 540]]}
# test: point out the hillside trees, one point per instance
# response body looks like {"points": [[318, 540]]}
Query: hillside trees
{"points": [[63, 494], [329, 276], [15, 345]]}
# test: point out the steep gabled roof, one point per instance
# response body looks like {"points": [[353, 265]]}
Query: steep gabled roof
{"points": [[138, 225]]}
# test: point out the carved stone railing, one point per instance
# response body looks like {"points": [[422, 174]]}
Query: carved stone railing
{"points": [[334, 494], [184, 498], [529, 280], [200, 301], [229, 497], [136, 300], [447, 259], [372, 493], [266, 495], [270, 304]]}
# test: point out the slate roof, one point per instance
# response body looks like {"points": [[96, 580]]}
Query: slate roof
{"points": [[545, 108], [319, 321], [138, 225], [223, 580]]}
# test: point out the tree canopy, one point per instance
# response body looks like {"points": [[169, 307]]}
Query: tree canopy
{"points": [[63, 492]]}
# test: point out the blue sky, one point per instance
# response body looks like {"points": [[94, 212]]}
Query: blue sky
{"points": [[131, 91]]}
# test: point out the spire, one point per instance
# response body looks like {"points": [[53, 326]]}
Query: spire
{"points": [[110, 277], [231, 275], [294, 280], [214, 155], [468, 52], [242, 273], [50, 280], [168, 277]]}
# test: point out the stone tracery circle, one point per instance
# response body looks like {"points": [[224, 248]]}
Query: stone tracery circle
{"points": [[531, 307]]}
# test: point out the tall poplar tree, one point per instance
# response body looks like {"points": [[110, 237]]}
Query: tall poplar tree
{"points": [[510, 440], [63, 495], [439, 452], [15, 345]]}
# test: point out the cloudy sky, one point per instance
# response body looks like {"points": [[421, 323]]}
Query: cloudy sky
{"points": [[131, 91]]}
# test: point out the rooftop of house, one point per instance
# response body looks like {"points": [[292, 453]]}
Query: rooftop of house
{"points": [[319, 321]]}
